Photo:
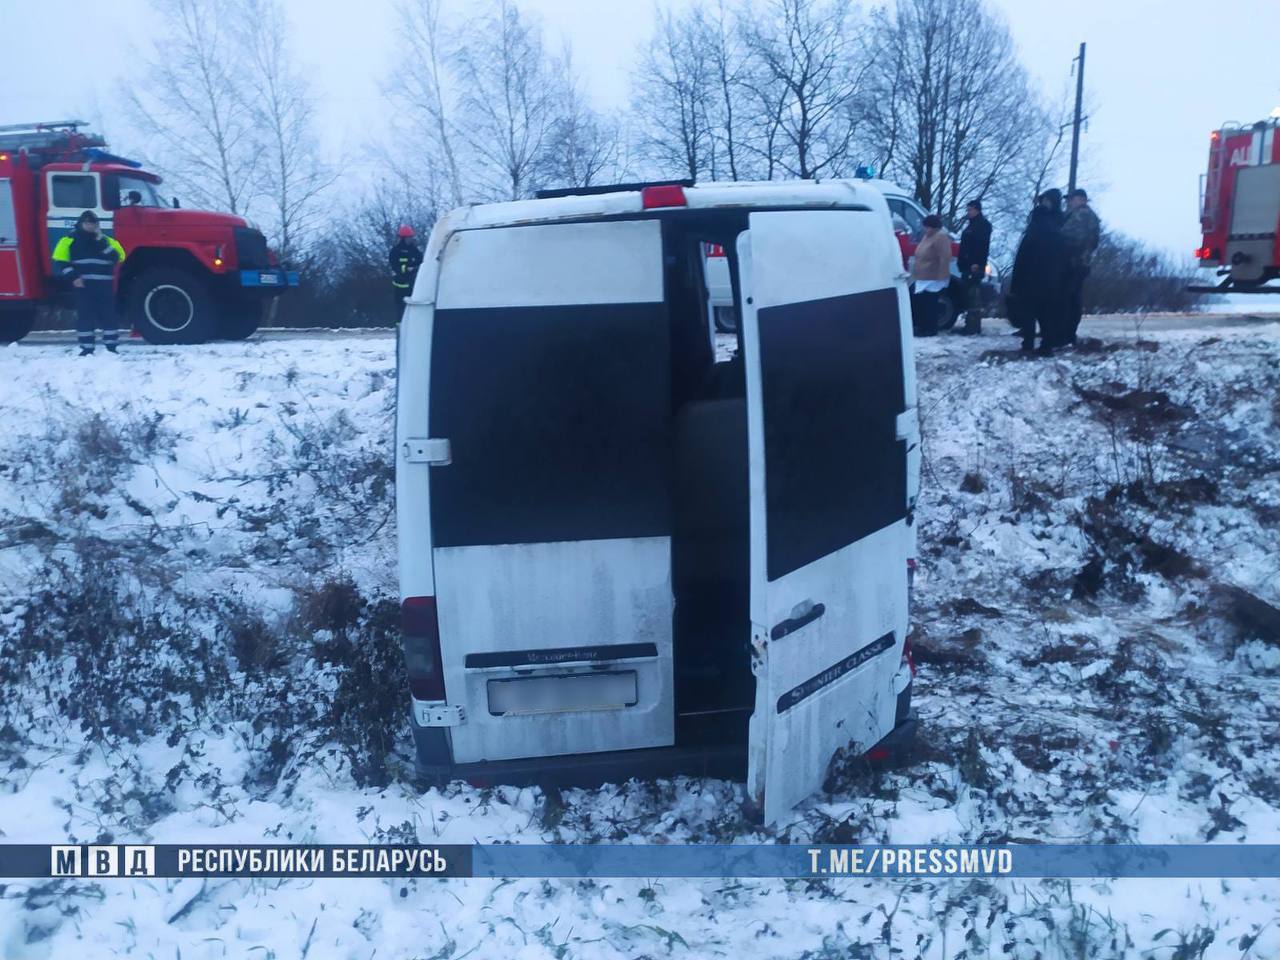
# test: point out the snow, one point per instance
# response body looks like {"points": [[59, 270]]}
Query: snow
{"points": [[1054, 706]]}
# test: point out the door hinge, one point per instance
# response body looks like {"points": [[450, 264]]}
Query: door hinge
{"points": [[439, 715], [435, 452]]}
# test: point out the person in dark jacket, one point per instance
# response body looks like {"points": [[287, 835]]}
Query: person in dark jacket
{"points": [[88, 258], [1051, 200], [1038, 289], [405, 259], [975, 248], [1082, 232]]}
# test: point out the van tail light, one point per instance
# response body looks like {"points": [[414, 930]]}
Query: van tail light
{"points": [[1205, 253], [663, 195], [908, 660], [420, 629]]}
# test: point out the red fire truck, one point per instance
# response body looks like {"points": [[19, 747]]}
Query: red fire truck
{"points": [[188, 275], [1240, 208]]}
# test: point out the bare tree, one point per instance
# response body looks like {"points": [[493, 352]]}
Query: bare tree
{"points": [[510, 100], [673, 89], [950, 104], [582, 147], [291, 174], [721, 35], [812, 67], [422, 88], [189, 99]]}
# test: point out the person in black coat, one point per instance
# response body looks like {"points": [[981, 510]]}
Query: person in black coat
{"points": [[404, 260], [975, 248], [1038, 289]]}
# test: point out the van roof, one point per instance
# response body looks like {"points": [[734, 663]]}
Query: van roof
{"points": [[703, 196]]}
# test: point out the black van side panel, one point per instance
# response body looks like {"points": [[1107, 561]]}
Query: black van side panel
{"points": [[559, 420], [832, 384]]}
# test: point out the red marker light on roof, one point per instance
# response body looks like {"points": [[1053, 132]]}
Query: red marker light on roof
{"points": [[666, 195]]}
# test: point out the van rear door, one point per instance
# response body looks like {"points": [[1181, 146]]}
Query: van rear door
{"points": [[825, 320], [551, 530]]}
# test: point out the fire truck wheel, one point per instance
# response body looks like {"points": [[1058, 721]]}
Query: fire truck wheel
{"points": [[169, 305], [239, 320], [16, 324], [947, 312]]}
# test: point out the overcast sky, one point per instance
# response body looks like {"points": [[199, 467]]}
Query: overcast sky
{"points": [[1161, 75]]}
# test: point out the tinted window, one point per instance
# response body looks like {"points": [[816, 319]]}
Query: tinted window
{"points": [[558, 419], [831, 378], [75, 191]]}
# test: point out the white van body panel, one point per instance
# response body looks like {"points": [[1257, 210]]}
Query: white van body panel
{"points": [[551, 597], [503, 600], [829, 683], [568, 612], [552, 264]]}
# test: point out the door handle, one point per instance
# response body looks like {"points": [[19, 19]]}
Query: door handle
{"points": [[792, 624]]}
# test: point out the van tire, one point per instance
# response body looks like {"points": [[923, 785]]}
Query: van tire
{"points": [[240, 319], [168, 305], [16, 324]]}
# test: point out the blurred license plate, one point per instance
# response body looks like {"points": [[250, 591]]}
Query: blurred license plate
{"points": [[268, 279], [563, 693]]}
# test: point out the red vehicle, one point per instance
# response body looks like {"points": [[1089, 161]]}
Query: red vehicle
{"points": [[188, 275], [1240, 208]]}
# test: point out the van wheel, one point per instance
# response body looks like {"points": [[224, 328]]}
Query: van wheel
{"points": [[16, 324], [239, 320], [169, 305]]}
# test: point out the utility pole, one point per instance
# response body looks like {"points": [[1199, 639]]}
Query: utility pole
{"points": [[1075, 126]]}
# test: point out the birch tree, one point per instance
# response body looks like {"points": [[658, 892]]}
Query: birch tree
{"points": [[423, 90], [291, 174], [190, 101], [509, 100]]}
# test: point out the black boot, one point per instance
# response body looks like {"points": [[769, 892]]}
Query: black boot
{"points": [[972, 323]]}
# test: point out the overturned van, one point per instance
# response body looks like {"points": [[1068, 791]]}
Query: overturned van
{"points": [[624, 552]]}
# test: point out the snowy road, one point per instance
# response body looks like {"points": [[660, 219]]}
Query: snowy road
{"points": [[1094, 326]]}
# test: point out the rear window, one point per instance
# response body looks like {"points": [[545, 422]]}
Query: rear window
{"points": [[557, 413], [74, 191], [832, 377]]}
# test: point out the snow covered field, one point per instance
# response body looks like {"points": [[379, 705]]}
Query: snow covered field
{"points": [[197, 642]]}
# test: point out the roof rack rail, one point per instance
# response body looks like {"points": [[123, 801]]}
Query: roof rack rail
{"points": [[608, 188]]}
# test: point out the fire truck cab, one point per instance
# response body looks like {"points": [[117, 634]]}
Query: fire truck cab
{"points": [[188, 275], [1240, 208]]}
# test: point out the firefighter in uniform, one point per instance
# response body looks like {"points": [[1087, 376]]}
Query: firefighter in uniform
{"points": [[88, 258], [404, 261]]}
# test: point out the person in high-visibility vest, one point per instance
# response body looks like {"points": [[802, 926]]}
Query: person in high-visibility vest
{"points": [[404, 260], [88, 258]]}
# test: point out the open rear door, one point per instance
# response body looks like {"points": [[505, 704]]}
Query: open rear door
{"points": [[825, 320], [550, 523]]}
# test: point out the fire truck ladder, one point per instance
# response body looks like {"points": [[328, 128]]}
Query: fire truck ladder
{"points": [[41, 135]]}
